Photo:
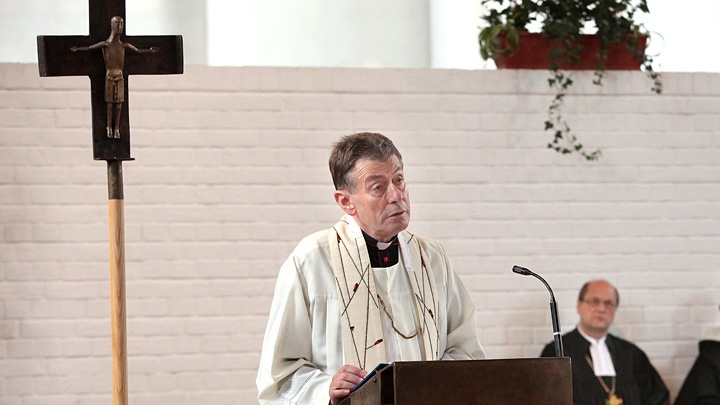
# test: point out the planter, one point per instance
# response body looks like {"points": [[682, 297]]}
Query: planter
{"points": [[533, 52]]}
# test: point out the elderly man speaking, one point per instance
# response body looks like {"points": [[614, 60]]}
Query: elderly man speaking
{"points": [[363, 292]]}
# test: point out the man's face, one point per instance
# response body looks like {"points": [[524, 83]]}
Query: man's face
{"points": [[380, 202], [597, 309]]}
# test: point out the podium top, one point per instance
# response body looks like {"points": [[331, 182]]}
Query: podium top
{"points": [[501, 382]]}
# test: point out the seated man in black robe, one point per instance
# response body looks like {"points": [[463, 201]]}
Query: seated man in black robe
{"points": [[607, 370], [702, 384]]}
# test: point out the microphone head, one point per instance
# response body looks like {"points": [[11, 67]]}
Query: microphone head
{"points": [[521, 270]]}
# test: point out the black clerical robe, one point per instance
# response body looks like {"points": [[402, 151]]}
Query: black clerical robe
{"points": [[702, 384], [637, 381]]}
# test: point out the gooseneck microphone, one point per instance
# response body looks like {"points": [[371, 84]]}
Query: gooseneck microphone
{"points": [[553, 309]]}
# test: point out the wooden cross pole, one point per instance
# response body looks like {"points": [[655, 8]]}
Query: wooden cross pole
{"points": [[108, 57]]}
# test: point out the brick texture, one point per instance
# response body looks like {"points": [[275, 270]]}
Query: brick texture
{"points": [[231, 171]]}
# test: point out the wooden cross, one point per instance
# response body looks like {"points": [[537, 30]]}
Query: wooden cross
{"points": [[55, 58], [108, 58]]}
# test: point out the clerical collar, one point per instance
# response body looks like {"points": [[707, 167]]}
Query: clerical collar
{"points": [[601, 359], [382, 254], [591, 339]]}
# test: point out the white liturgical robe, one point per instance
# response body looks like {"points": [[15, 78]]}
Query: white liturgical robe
{"points": [[303, 345]]}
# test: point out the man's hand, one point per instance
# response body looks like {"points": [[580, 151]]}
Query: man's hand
{"points": [[343, 381]]}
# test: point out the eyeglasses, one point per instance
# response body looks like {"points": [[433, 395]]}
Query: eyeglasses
{"points": [[595, 302]]}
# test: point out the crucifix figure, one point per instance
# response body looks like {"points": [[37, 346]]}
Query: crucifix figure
{"points": [[114, 55], [154, 55], [162, 55]]}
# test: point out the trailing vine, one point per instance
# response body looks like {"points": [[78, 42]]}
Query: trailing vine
{"points": [[563, 21]]}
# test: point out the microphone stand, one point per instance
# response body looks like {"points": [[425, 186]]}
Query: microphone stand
{"points": [[553, 309]]}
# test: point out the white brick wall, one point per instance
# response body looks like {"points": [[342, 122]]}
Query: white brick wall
{"points": [[231, 172]]}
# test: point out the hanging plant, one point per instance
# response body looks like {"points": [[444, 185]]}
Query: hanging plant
{"points": [[509, 22]]}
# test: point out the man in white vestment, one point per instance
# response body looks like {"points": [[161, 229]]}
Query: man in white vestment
{"points": [[363, 292]]}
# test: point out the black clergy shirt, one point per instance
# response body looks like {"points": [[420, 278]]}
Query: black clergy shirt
{"points": [[382, 257]]}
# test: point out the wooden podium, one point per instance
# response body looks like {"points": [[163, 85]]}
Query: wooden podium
{"points": [[497, 382]]}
